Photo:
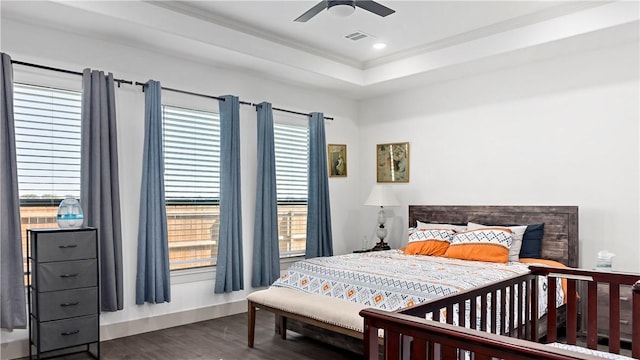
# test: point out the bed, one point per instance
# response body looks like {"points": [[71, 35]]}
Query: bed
{"points": [[338, 322], [409, 335]]}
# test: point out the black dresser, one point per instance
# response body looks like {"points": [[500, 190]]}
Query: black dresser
{"points": [[63, 292]]}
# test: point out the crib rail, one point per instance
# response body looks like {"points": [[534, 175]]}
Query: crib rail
{"points": [[482, 305], [589, 279], [409, 335]]}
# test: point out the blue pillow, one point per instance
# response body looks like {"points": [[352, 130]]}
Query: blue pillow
{"points": [[532, 241]]}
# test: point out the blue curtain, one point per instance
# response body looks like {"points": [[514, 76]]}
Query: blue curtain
{"points": [[266, 255], [13, 314], [99, 186], [319, 240], [229, 276], [152, 280]]}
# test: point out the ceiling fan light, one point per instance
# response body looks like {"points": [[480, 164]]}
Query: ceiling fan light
{"points": [[341, 8]]}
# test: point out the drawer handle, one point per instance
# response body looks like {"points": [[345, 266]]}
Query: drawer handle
{"points": [[624, 298], [624, 322], [68, 246], [70, 304], [66, 333], [68, 275]]}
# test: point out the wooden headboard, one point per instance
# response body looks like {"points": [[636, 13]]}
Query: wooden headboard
{"points": [[560, 241]]}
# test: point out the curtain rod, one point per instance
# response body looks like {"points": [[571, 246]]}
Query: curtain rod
{"points": [[219, 98], [191, 93], [119, 81]]}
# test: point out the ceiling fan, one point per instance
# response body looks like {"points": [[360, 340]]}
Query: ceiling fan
{"points": [[345, 8]]}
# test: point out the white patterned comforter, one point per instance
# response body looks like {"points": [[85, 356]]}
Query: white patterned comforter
{"points": [[596, 353], [390, 280]]}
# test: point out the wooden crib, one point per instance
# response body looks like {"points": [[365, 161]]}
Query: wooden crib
{"points": [[409, 335]]}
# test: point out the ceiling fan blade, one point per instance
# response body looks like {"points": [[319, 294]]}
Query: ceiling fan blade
{"points": [[312, 12], [374, 7]]}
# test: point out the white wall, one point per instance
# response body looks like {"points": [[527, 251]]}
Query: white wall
{"points": [[558, 132], [71, 51]]}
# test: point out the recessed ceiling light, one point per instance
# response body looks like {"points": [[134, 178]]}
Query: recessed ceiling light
{"points": [[379, 46]]}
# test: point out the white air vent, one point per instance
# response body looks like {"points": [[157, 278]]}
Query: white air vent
{"points": [[358, 35]]}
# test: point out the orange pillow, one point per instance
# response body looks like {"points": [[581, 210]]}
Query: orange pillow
{"points": [[429, 242], [489, 244]]}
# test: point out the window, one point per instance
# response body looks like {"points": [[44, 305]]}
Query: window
{"points": [[192, 185], [47, 123], [291, 150]]}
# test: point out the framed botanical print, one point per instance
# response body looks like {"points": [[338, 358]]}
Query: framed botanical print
{"points": [[337, 160], [392, 162]]}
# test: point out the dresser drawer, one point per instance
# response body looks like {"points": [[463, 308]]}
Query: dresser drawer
{"points": [[625, 311], [56, 305], [64, 245], [64, 333], [65, 275]]}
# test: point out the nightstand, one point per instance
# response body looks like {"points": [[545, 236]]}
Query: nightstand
{"points": [[625, 311]]}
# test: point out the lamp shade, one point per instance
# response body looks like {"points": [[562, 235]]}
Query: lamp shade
{"points": [[382, 195]]}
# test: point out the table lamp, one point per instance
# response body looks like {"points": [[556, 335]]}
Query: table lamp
{"points": [[381, 195]]}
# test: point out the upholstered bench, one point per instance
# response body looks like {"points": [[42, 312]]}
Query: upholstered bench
{"points": [[332, 314]]}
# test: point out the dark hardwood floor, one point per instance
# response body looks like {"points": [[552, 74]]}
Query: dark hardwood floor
{"points": [[219, 339], [226, 339]]}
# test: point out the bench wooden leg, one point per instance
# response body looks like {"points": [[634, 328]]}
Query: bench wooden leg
{"points": [[251, 329], [283, 327]]}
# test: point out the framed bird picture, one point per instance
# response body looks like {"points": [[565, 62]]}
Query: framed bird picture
{"points": [[337, 160]]}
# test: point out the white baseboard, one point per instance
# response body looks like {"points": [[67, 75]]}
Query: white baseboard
{"points": [[20, 348]]}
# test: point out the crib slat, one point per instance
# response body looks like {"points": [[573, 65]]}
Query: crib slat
{"points": [[532, 316], [391, 344], [503, 310], [494, 311], [370, 340], [462, 313], [448, 352], [521, 317], [551, 310], [592, 315], [614, 318], [512, 310], [419, 351], [483, 312], [572, 312], [473, 312]]}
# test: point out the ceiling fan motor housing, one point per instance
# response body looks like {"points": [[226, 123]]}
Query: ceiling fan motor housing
{"points": [[341, 7]]}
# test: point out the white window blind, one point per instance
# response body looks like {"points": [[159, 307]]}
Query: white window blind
{"points": [[191, 154], [192, 185], [48, 128], [291, 151]]}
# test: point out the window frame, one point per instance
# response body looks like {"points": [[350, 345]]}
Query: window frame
{"points": [[283, 122], [51, 203], [210, 262]]}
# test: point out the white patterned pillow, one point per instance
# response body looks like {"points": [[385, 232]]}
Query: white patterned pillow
{"points": [[429, 242], [517, 232]]}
